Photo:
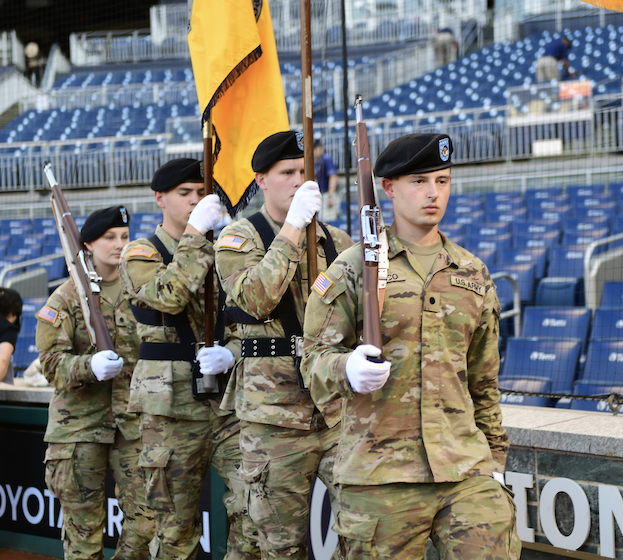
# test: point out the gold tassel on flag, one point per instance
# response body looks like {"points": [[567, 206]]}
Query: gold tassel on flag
{"points": [[234, 58]]}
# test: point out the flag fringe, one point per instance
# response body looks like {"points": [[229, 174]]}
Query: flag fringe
{"points": [[246, 197], [240, 68]]}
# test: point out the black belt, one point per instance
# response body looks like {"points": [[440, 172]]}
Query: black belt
{"points": [[267, 347], [166, 352]]}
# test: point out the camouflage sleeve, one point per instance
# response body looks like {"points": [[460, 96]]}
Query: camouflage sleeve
{"points": [[147, 281], [253, 278], [341, 239], [60, 323], [483, 361], [330, 336]]}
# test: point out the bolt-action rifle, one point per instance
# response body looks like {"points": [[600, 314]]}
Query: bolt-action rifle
{"points": [[81, 270], [373, 239]]}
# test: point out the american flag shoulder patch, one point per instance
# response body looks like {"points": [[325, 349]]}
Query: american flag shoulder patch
{"points": [[48, 314], [232, 242], [322, 284], [142, 252]]}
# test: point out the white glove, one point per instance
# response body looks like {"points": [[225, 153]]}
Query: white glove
{"points": [[305, 205], [206, 214], [214, 359], [105, 365], [365, 376]]}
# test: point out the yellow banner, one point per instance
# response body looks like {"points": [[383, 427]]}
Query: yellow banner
{"points": [[234, 58], [607, 4]]}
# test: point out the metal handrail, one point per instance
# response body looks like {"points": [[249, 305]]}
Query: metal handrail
{"points": [[515, 312], [23, 264], [589, 293]]}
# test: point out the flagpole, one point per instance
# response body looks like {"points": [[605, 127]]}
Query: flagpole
{"points": [[208, 186], [345, 107], [308, 131]]}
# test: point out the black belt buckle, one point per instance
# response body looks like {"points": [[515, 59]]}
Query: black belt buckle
{"points": [[215, 386]]}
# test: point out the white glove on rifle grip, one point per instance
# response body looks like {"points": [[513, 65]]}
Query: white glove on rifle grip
{"points": [[305, 205], [365, 376], [105, 365], [206, 214], [214, 359]]}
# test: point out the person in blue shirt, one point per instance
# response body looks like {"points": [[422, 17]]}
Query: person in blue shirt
{"points": [[547, 68], [326, 177]]}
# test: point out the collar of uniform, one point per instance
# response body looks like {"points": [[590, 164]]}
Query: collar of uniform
{"points": [[278, 225], [168, 241], [395, 247]]}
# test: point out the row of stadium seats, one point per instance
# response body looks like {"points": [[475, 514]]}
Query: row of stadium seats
{"points": [[478, 81]]}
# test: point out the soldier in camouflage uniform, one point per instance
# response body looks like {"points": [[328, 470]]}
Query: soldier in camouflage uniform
{"points": [[261, 261], [422, 445], [181, 436], [88, 427]]}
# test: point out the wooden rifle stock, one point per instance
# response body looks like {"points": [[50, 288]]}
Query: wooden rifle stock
{"points": [[370, 244], [85, 279]]}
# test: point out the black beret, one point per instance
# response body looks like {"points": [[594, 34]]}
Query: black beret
{"points": [[414, 153], [101, 220], [281, 145], [176, 172]]}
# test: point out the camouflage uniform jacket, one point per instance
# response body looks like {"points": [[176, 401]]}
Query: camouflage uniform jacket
{"points": [[164, 387], [437, 419], [82, 408], [255, 279]]}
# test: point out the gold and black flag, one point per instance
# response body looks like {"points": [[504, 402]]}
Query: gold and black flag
{"points": [[234, 58], [607, 4]]}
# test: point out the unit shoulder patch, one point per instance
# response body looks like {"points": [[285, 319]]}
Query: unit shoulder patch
{"points": [[467, 284]]}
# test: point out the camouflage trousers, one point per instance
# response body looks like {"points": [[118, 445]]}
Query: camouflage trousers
{"points": [[75, 473], [176, 457], [469, 520], [279, 467]]}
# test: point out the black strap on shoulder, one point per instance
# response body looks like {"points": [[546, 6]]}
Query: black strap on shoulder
{"points": [[330, 251], [285, 310], [155, 241], [179, 321]]}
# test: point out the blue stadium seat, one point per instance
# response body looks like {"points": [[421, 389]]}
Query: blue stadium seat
{"points": [[591, 389], [567, 261], [56, 269], [560, 291], [524, 275], [529, 385], [537, 256], [612, 295], [607, 323], [556, 360], [557, 322], [604, 361], [534, 240]]}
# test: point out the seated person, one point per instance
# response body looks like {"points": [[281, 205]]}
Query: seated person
{"points": [[10, 313]]}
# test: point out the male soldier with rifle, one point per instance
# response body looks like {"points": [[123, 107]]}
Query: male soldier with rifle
{"points": [[261, 261], [163, 279], [422, 444]]}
